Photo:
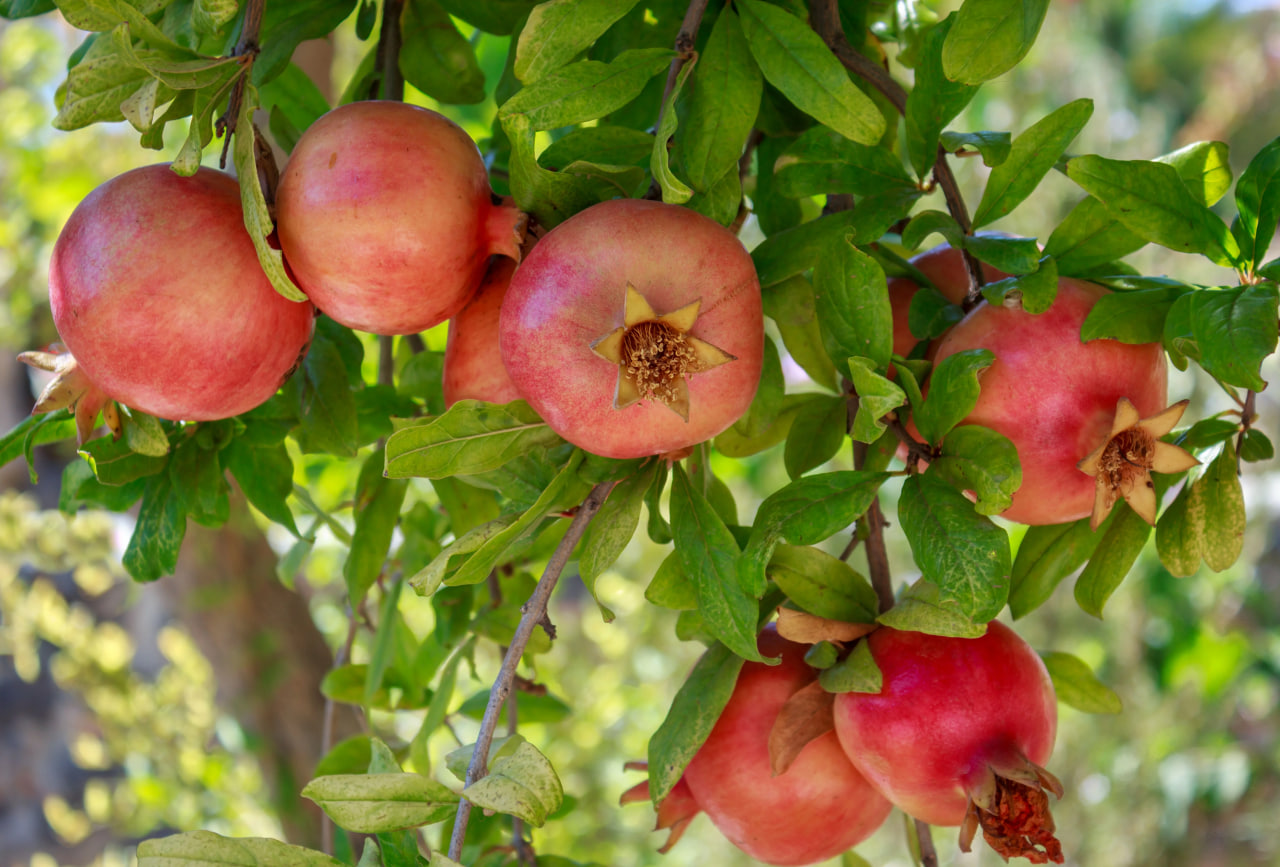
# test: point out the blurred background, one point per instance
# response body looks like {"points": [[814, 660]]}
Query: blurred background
{"points": [[128, 711]]}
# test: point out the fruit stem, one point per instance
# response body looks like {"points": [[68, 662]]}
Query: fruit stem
{"points": [[684, 50], [924, 839], [535, 612], [388, 58]]}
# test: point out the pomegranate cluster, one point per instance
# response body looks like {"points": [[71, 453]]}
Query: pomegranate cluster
{"points": [[957, 735]]}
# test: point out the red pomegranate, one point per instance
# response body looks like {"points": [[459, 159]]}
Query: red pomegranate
{"points": [[1053, 396], [472, 363], [958, 734], [635, 328], [945, 268], [156, 290], [386, 217], [820, 807]]}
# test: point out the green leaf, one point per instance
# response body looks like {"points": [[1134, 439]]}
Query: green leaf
{"points": [[534, 708], [438, 710], [877, 395], [377, 509], [821, 162], [559, 30], [816, 434], [964, 554], [853, 304], [114, 463], [157, 536], [1046, 555], [793, 308], [823, 585], [806, 512], [795, 60], [1123, 536], [978, 459], [498, 17], [990, 37], [924, 608], [926, 223], [522, 784], [1150, 199], [614, 145], [934, 101], [472, 437], [1035, 292], [436, 58], [1032, 155], [857, 672], [953, 393], [611, 530], [1256, 446], [671, 588], [1077, 685], [12, 9], [1235, 330], [286, 25], [674, 190], [374, 803], [206, 849], [97, 86], [326, 406], [199, 484], [1013, 255], [995, 147], [792, 252], [693, 714], [265, 476], [1131, 317], [709, 553], [722, 105], [769, 396], [587, 89], [1258, 198]]}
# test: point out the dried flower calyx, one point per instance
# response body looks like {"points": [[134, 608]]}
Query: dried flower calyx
{"points": [[1123, 464], [71, 389], [656, 354]]}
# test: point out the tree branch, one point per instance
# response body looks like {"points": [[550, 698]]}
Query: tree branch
{"points": [[535, 612], [247, 48], [878, 556]]}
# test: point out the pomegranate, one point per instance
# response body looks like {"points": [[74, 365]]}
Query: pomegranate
{"points": [[157, 292], [472, 363], [817, 809], [386, 218], [944, 266], [1055, 397], [635, 328], [957, 734]]}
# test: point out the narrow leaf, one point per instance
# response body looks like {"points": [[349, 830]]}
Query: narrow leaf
{"points": [[472, 437]]}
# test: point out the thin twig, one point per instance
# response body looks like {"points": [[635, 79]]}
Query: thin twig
{"points": [[1247, 411], [955, 205], [685, 40], [744, 169], [388, 56], [535, 612], [524, 850], [326, 728], [924, 837], [246, 48], [878, 557]]}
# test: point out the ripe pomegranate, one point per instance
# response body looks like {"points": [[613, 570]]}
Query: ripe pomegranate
{"points": [[385, 216], [635, 328], [1055, 397], [957, 734], [157, 292], [820, 807], [944, 266], [472, 363]]}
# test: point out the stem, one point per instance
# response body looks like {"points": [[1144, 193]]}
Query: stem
{"points": [[524, 851], [824, 17], [247, 48], [535, 612], [878, 556], [1247, 412], [924, 837], [684, 50], [389, 51]]}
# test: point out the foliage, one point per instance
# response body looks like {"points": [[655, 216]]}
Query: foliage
{"points": [[777, 114]]}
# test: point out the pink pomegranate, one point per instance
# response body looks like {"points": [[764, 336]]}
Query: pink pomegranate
{"points": [[472, 363], [635, 328], [157, 292], [1055, 397], [386, 217], [958, 734], [944, 266], [820, 807]]}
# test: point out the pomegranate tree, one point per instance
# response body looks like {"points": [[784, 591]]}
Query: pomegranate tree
{"points": [[472, 363], [157, 292], [386, 218], [819, 807], [957, 735], [635, 328], [1056, 397]]}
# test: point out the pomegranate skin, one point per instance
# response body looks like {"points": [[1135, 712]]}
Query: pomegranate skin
{"points": [[819, 808], [569, 293], [386, 218], [156, 290], [948, 708], [472, 363], [1053, 396]]}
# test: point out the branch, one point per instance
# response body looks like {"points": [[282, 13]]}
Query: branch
{"points": [[924, 837], [1247, 413], [824, 17], [535, 612], [247, 48], [388, 57], [878, 556], [684, 50]]}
